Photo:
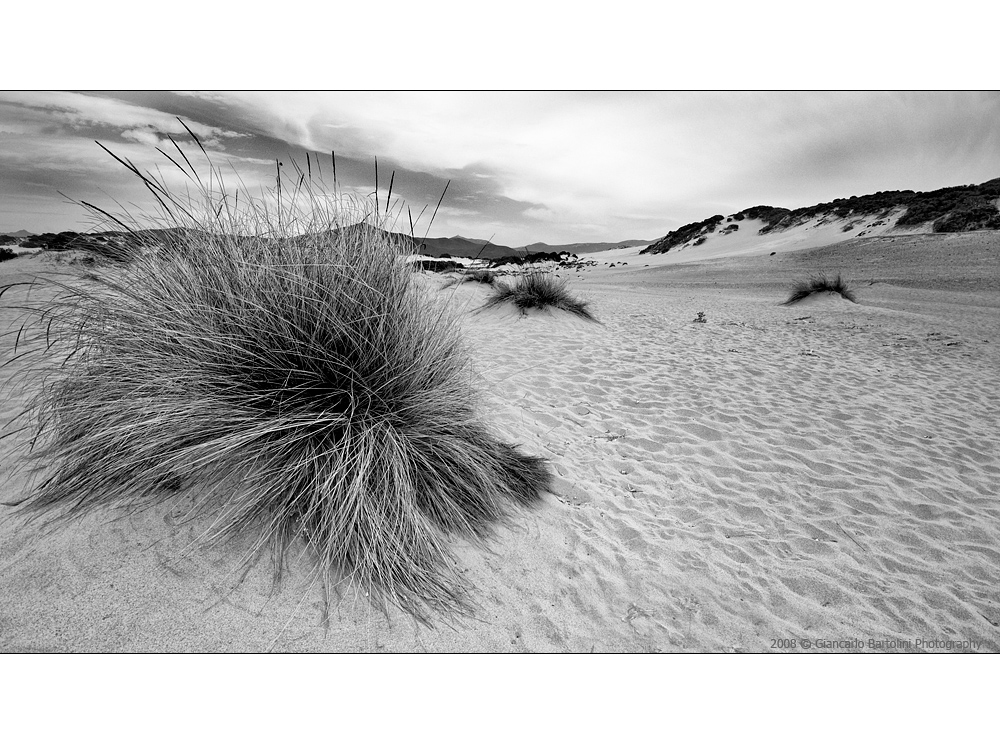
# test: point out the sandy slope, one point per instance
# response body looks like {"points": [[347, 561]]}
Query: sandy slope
{"points": [[747, 241], [825, 472]]}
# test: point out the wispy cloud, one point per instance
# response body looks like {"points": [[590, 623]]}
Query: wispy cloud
{"points": [[83, 112], [558, 167]]}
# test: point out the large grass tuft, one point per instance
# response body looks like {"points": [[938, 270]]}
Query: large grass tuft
{"points": [[818, 284], [538, 290], [285, 372]]}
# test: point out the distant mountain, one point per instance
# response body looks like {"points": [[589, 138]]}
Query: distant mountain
{"points": [[471, 248], [464, 247], [952, 209], [456, 246], [10, 238]]}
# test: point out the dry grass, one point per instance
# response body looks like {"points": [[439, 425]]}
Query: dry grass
{"points": [[476, 276], [538, 290], [818, 284], [286, 373]]}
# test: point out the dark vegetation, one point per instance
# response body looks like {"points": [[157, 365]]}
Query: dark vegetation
{"points": [[6, 254], [288, 377], [683, 234], [819, 284], [952, 209], [435, 265], [970, 207], [767, 214], [538, 290], [532, 258], [576, 248]]}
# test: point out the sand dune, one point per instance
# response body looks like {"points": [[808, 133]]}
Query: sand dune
{"points": [[824, 472], [747, 241]]}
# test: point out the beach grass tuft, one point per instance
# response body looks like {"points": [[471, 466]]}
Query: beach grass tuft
{"points": [[274, 360], [538, 289], [818, 284], [476, 276]]}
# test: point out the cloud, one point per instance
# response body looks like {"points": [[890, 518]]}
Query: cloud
{"points": [[559, 167], [79, 111], [145, 137]]}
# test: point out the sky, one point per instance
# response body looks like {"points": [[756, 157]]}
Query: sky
{"points": [[553, 167]]}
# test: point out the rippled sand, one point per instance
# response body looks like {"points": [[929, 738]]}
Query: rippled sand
{"points": [[824, 471]]}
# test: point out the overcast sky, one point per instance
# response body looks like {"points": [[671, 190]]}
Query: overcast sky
{"points": [[524, 167]]}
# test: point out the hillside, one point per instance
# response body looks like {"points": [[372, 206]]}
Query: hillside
{"points": [[457, 246], [951, 209], [463, 247]]}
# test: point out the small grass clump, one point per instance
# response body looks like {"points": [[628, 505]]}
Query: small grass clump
{"points": [[478, 276], [818, 284], [538, 290], [286, 373]]}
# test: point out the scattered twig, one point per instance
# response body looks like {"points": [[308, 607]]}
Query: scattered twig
{"points": [[851, 537]]}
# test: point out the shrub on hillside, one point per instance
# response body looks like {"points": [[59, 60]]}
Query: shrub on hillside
{"points": [[681, 235], [969, 217], [950, 209]]}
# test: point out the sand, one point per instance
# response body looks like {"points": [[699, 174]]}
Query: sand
{"points": [[825, 472]]}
